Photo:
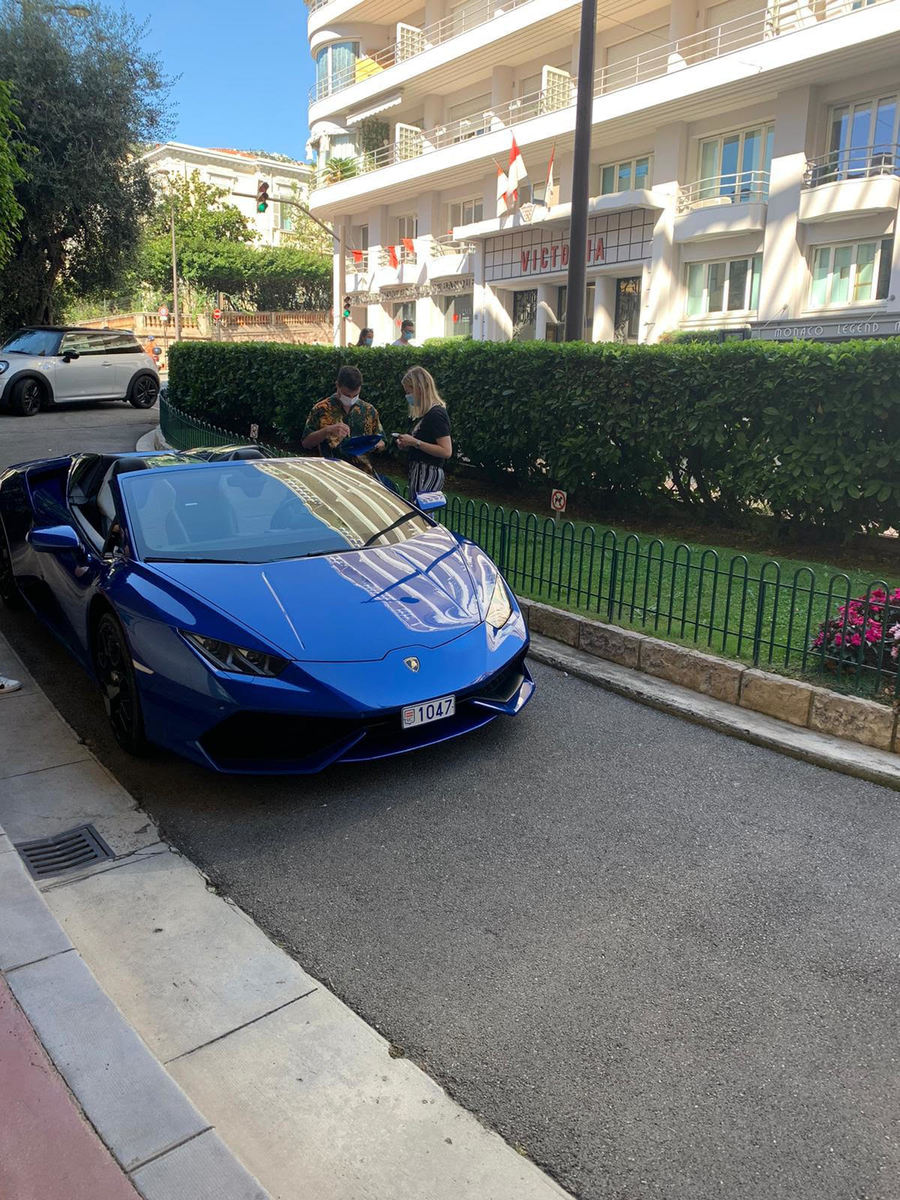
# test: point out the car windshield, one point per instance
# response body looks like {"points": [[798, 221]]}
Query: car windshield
{"points": [[42, 342], [262, 511]]}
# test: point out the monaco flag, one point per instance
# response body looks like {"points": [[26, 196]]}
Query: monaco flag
{"points": [[502, 189], [517, 170]]}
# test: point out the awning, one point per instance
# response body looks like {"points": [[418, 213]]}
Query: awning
{"points": [[387, 102]]}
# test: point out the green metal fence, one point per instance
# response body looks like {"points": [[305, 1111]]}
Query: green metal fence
{"points": [[770, 616]]}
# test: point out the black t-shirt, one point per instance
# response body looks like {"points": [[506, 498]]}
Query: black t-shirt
{"points": [[435, 424]]}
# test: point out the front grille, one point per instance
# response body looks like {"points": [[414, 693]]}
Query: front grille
{"points": [[248, 738]]}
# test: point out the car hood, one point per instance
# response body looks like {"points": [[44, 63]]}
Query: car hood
{"points": [[350, 607]]}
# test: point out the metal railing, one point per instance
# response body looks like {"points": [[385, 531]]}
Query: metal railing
{"points": [[706, 45], [769, 615], [415, 41], [743, 187], [857, 162]]}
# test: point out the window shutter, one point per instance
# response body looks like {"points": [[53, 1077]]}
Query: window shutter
{"points": [[556, 89], [410, 41]]}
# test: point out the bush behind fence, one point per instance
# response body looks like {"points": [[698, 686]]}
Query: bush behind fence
{"points": [[769, 617], [806, 431]]}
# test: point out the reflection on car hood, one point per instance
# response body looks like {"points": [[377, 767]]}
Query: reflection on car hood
{"points": [[346, 607]]}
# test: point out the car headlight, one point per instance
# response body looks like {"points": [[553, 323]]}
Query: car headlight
{"points": [[236, 658], [4, 365], [499, 610]]}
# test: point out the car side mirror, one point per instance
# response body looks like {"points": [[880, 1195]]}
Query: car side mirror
{"points": [[69, 355], [429, 501], [54, 539]]}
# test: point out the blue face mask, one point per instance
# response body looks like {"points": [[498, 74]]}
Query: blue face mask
{"points": [[410, 400], [368, 341]]}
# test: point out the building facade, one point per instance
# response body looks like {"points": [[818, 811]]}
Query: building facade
{"points": [[745, 170], [238, 171]]}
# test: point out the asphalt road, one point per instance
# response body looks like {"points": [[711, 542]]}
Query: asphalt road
{"points": [[663, 962]]}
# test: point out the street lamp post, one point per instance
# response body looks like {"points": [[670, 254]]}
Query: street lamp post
{"points": [[577, 275], [175, 312]]}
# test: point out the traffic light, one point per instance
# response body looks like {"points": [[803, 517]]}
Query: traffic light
{"points": [[346, 306], [262, 196]]}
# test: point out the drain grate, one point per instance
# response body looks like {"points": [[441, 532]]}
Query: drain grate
{"points": [[64, 852]]}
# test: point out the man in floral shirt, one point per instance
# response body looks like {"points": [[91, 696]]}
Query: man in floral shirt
{"points": [[343, 414]]}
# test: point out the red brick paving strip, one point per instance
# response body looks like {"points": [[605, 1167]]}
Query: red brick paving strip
{"points": [[48, 1151]]}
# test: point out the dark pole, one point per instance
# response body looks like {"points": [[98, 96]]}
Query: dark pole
{"points": [[581, 174]]}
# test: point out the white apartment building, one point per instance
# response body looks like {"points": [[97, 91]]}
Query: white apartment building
{"points": [[237, 171], [745, 171]]}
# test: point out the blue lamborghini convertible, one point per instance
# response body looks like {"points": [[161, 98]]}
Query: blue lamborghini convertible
{"points": [[261, 616]]}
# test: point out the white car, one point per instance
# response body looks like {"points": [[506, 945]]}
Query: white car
{"points": [[54, 364]]}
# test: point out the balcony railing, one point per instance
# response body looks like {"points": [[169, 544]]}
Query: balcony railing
{"points": [[410, 42], [704, 46], [743, 187], [857, 162]]}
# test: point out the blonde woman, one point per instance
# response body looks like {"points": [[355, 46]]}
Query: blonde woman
{"points": [[428, 440]]}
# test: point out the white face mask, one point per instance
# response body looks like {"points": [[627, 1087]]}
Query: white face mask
{"points": [[347, 401]]}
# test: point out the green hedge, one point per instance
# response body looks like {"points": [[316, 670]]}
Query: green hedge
{"points": [[807, 431]]}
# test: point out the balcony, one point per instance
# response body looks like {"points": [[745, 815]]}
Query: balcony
{"points": [[411, 142], [722, 206], [409, 42], [860, 181], [430, 258]]}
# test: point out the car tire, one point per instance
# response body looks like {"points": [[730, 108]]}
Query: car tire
{"points": [[28, 397], [118, 683], [9, 589], [144, 391]]}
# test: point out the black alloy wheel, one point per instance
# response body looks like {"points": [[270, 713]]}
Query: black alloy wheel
{"points": [[143, 392], [9, 589], [112, 659], [27, 397]]}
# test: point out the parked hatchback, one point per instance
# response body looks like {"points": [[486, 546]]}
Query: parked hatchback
{"points": [[47, 365]]}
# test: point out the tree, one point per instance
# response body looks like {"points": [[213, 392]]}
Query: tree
{"points": [[14, 153], [87, 95], [200, 212]]}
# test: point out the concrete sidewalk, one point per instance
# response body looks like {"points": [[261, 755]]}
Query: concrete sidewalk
{"points": [[208, 1062]]}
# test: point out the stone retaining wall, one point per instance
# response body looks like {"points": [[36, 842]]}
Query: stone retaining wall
{"points": [[792, 700]]}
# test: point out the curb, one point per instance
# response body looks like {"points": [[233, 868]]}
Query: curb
{"points": [[823, 750], [164, 1146], [849, 720], [153, 440]]}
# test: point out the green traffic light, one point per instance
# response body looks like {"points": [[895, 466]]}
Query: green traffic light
{"points": [[261, 206]]}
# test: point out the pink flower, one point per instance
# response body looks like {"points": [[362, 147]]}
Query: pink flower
{"points": [[838, 640], [873, 633], [855, 640]]}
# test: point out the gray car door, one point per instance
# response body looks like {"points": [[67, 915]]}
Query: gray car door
{"points": [[92, 374]]}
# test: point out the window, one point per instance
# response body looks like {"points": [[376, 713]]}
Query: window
{"points": [[619, 177], [524, 315], [335, 67], [862, 140], [458, 315], [856, 273], [284, 216], [404, 311], [736, 166], [720, 287], [342, 145], [468, 117], [466, 212], [555, 332], [225, 182]]}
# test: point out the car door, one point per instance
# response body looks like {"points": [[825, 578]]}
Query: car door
{"points": [[91, 374]]}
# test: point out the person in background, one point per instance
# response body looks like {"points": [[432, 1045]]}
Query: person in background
{"points": [[428, 441], [341, 415], [407, 333], [366, 337]]}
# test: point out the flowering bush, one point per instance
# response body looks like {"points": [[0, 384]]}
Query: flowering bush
{"points": [[865, 630]]}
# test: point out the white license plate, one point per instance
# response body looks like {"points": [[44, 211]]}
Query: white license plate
{"points": [[428, 710]]}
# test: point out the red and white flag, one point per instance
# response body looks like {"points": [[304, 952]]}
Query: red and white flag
{"points": [[517, 171], [357, 256], [408, 246], [548, 194], [502, 189]]}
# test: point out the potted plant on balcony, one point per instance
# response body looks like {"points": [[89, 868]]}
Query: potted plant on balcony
{"points": [[337, 169], [373, 136]]}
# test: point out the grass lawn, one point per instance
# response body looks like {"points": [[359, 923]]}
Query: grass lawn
{"points": [[734, 602]]}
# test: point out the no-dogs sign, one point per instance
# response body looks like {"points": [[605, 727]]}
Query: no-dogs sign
{"points": [[558, 500]]}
